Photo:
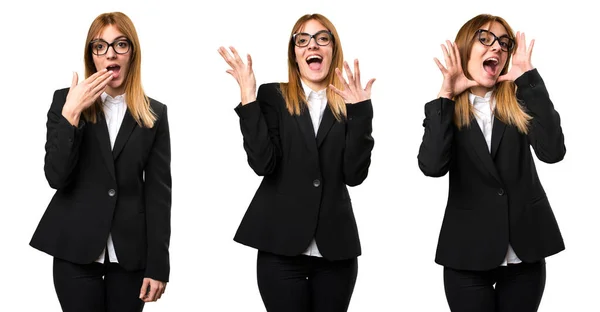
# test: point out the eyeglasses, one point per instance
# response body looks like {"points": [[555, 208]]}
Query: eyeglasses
{"points": [[488, 38], [322, 38], [100, 46]]}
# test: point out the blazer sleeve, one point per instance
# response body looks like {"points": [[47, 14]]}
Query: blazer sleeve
{"points": [[545, 133], [62, 143], [435, 153], [259, 123], [359, 142], [157, 193]]}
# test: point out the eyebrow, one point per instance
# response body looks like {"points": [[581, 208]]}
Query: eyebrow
{"points": [[118, 38]]}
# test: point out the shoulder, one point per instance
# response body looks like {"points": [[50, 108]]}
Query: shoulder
{"points": [[157, 107], [59, 98], [272, 88]]}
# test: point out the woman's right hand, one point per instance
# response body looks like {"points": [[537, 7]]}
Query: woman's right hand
{"points": [[455, 81], [82, 95], [242, 73]]}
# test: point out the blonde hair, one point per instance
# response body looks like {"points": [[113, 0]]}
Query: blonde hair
{"points": [[292, 91], [508, 109], [137, 101]]}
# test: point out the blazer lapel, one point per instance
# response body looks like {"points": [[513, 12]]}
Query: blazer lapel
{"points": [[497, 134], [481, 149], [326, 124], [127, 127], [101, 131], [308, 133]]}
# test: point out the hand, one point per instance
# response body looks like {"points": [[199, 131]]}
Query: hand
{"points": [[353, 91], [83, 95], [152, 290], [521, 59], [455, 81], [242, 73]]}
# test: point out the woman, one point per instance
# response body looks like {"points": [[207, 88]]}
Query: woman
{"points": [[108, 157], [498, 226], [309, 138]]}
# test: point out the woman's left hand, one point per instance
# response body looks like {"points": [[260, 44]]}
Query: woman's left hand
{"points": [[353, 91], [521, 59], [152, 289]]}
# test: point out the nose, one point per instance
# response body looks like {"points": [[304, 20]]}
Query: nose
{"points": [[496, 46], [312, 44], [111, 53]]}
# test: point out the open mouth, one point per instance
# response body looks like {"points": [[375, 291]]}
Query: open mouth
{"points": [[491, 66], [116, 69], [314, 62]]}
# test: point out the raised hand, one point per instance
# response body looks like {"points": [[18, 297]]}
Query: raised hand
{"points": [[242, 73], [353, 91], [82, 95], [455, 81], [521, 59]]}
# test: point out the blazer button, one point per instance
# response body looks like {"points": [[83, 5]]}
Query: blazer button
{"points": [[316, 183], [111, 192], [501, 192]]}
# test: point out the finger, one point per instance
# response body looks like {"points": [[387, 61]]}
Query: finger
{"points": [[249, 62], [226, 56], [74, 80], [456, 55], [446, 56], [349, 75], [440, 66], [357, 73], [338, 73], [153, 292], [236, 56], [144, 288], [452, 53], [99, 85], [161, 290], [530, 48], [369, 85], [337, 91]]}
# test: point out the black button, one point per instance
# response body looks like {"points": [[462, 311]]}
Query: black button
{"points": [[112, 192], [532, 85], [316, 183], [501, 192], [439, 112]]}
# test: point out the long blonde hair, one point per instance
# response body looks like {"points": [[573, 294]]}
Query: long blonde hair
{"points": [[292, 91], [137, 101], [508, 109]]}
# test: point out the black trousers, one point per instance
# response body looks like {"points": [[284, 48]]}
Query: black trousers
{"points": [[304, 283], [512, 288], [97, 287]]}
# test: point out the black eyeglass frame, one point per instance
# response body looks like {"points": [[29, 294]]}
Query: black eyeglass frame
{"points": [[311, 37], [496, 38], [109, 45]]}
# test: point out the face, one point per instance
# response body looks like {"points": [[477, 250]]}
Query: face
{"points": [[314, 60], [486, 62], [115, 59]]}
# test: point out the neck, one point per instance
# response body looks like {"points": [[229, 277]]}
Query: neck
{"points": [[480, 91]]}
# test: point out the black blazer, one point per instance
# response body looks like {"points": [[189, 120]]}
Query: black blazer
{"points": [[126, 191], [494, 198], [303, 194]]}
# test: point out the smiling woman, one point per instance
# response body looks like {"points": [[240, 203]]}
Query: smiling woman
{"points": [[310, 138], [108, 156]]}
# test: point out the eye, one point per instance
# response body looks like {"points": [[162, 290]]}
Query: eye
{"points": [[98, 46], [122, 44], [324, 38]]}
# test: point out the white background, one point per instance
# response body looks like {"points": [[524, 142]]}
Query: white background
{"points": [[399, 210]]}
